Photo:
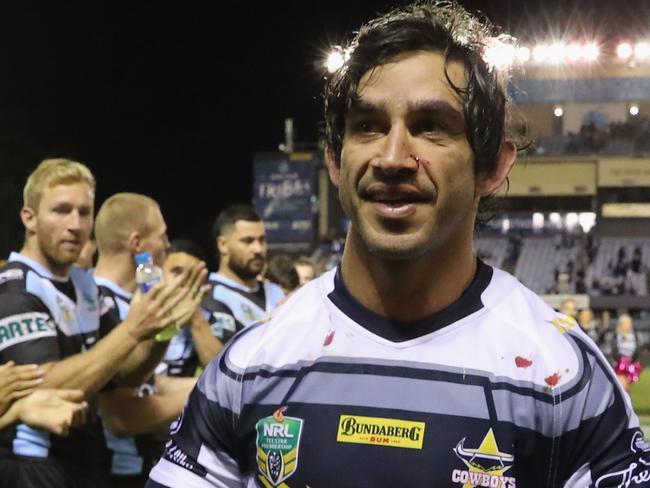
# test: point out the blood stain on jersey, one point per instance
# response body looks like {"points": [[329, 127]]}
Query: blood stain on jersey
{"points": [[553, 380], [329, 338], [522, 362]]}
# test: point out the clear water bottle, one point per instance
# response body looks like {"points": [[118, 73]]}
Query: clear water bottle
{"points": [[147, 274]]}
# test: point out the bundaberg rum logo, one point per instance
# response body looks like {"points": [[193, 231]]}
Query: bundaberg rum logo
{"points": [[278, 439]]}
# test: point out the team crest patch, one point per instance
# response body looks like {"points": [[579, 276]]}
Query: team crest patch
{"points": [[486, 465], [278, 440]]}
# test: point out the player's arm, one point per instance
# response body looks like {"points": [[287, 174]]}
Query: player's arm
{"points": [[607, 448], [206, 343], [91, 370], [201, 451], [126, 414]]}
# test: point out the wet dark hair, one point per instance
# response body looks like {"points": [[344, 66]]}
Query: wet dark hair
{"points": [[228, 216], [436, 26]]}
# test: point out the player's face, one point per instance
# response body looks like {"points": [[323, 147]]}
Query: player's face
{"points": [[63, 222], [177, 262], [245, 246], [400, 207], [156, 242], [305, 273]]}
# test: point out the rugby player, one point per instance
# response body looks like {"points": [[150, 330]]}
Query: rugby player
{"points": [[238, 297], [413, 363], [134, 416], [49, 315]]}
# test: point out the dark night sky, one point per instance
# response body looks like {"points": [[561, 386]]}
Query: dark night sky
{"points": [[171, 99]]}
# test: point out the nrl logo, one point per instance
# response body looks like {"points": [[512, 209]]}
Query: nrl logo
{"points": [[278, 439]]}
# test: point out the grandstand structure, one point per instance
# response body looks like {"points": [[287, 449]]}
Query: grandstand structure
{"points": [[578, 204]]}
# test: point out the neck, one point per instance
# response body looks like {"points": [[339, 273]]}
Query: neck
{"points": [[225, 270], [118, 268], [32, 250], [409, 289]]}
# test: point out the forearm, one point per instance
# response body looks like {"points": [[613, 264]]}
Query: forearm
{"points": [[141, 363], [206, 344], [89, 371], [168, 385], [126, 414]]}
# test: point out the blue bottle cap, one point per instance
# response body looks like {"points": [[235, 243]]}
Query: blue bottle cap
{"points": [[143, 258]]}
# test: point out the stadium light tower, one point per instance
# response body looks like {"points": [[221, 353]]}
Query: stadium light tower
{"points": [[574, 52], [558, 111], [540, 53], [634, 110], [523, 54], [556, 53]]}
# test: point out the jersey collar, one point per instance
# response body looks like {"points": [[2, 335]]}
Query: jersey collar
{"points": [[398, 331], [37, 267]]}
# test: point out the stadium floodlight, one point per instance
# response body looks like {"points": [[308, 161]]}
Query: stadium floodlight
{"points": [[500, 54], [540, 53], [336, 59], [556, 53], [634, 110], [523, 54], [642, 50], [574, 52], [590, 52], [558, 111], [624, 50]]}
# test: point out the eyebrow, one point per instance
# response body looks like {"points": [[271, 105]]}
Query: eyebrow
{"points": [[436, 106]]}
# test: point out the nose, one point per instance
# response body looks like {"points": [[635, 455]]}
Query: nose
{"points": [[396, 152], [258, 247], [75, 221]]}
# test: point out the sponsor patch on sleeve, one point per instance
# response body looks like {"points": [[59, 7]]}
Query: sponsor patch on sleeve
{"points": [[25, 327]]}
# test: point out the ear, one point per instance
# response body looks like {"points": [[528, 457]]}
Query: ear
{"points": [[29, 219], [489, 183], [221, 245], [134, 243], [333, 166]]}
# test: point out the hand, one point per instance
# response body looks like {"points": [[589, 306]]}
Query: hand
{"points": [[166, 304], [17, 382], [52, 410]]}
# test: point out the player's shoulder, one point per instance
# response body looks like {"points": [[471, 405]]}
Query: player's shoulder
{"points": [[288, 330], [13, 276], [526, 324]]}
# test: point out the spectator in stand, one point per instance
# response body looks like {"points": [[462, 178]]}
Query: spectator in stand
{"points": [[589, 324], [627, 367], [569, 307], [281, 270], [306, 269], [637, 275]]}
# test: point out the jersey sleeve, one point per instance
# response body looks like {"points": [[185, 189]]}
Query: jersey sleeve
{"points": [[202, 449], [222, 320], [607, 448], [27, 329]]}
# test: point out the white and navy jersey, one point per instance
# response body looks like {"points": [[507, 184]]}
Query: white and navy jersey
{"points": [[497, 389], [129, 456], [44, 318]]}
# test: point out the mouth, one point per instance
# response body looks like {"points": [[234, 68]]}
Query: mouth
{"points": [[71, 244], [395, 202]]}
